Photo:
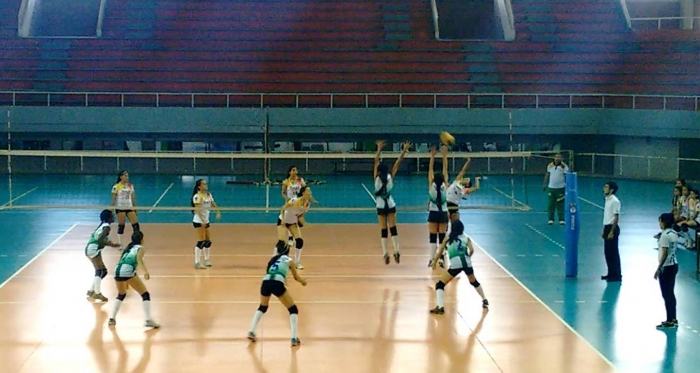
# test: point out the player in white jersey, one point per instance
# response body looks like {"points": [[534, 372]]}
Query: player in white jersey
{"points": [[203, 203], [124, 202], [273, 283], [290, 189], [386, 206], [459, 250], [667, 269], [437, 205], [93, 251], [458, 190], [126, 277], [290, 217]]}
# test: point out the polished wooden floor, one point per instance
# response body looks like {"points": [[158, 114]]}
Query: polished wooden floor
{"points": [[356, 314]]}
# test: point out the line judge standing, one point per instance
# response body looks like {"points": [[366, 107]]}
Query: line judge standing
{"points": [[611, 233], [554, 184]]}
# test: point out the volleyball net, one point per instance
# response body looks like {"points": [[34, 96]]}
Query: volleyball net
{"points": [[340, 182]]}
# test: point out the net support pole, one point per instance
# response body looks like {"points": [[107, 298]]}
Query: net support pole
{"points": [[573, 224]]}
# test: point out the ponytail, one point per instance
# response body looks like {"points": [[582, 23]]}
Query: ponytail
{"points": [[383, 174], [136, 239], [439, 180], [194, 192], [456, 231], [282, 249]]}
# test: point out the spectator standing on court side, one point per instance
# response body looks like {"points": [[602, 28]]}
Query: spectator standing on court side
{"points": [[554, 184], [611, 232]]}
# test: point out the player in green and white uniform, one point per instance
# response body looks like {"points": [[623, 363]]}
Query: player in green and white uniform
{"points": [[125, 275], [93, 250], [459, 251], [273, 284]]}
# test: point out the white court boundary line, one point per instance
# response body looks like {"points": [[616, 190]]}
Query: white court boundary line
{"points": [[591, 203], [19, 196], [161, 197], [545, 306], [38, 255], [545, 236], [528, 208]]}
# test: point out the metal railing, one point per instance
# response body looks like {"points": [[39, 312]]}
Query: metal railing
{"points": [[637, 167], [352, 100], [660, 21]]}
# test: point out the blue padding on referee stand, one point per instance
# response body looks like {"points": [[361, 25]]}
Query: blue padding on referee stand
{"points": [[572, 226]]}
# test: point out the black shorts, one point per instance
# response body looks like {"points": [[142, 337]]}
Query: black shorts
{"points": [[438, 217], [123, 211], [456, 271], [386, 211], [279, 222], [452, 208], [122, 279], [199, 225], [272, 287]]}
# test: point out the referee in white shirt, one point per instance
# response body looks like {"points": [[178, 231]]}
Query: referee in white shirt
{"points": [[611, 232], [556, 176], [668, 269]]}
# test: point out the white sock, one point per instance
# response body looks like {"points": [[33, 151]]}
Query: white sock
{"points": [[480, 290], [96, 282], [147, 309], [297, 255], [115, 310], [395, 241], [440, 294], [384, 245], [196, 255], [433, 250], [256, 319], [207, 251], [293, 319]]}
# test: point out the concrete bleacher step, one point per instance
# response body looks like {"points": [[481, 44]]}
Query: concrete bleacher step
{"points": [[485, 78], [47, 87], [479, 57], [479, 69], [50, 75], [398, 36], [392, 27], [394, 7], [52, 54], [53, 65], [478, 47], [546, 18], [542, 28], [393, 17]]}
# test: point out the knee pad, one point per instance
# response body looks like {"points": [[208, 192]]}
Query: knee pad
{"points": [[120, 229], [101, 273], [393, 231], [475, 284], [433, 238], [293, 310], [121, 296], [146, 296], [136, 227], [300, 243], [207, 243], [262, 308], [385, 233], [440, 285], [200, 244], [441, 237]]}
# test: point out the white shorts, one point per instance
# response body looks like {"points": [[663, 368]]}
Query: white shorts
{"points": [[92, 251]]}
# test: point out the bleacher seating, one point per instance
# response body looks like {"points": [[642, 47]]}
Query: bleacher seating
{"points": [[348, 46]]}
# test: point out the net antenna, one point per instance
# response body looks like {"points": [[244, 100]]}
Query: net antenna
{"points": [[9, 156], [512, 164]]}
